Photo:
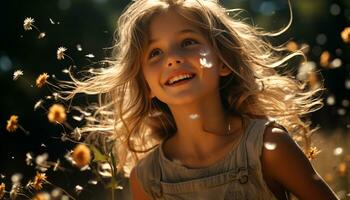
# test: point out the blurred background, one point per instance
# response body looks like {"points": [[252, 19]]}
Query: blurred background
{"points": [[86, 28]]}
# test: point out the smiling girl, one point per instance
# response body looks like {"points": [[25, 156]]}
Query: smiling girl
{"points": [[189, 101]]}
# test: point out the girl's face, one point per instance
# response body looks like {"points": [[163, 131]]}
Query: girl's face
{"points": [[178, 63]]}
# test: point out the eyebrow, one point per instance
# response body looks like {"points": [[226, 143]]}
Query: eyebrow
{"points": [[180, 32]]}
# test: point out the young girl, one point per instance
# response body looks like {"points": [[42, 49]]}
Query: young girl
{"points": [[195, 106]]}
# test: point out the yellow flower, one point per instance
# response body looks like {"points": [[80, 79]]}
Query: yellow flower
{"points": [[28, 23], [57, 113], [39, 180], [41, 196], [325, 59], [81, 155], [12, 123], [2, 190], [345, 35], [292, 46], [312, 153], [60, 53], [41, 80]]}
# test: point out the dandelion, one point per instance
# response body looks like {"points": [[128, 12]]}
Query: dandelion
{"points": [[345, 35], [60, 53], [41, 80], [312, 153], [39, 180], [2, 190], [325, 59], [12, 123], [17, 74], [28, 23], [57, 113], [81, 155]]}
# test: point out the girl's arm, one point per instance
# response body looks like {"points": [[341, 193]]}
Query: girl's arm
{"points": [[289, 166], [137, 192]]}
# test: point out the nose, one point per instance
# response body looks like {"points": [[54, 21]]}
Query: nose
{"points": [[178, 61]]}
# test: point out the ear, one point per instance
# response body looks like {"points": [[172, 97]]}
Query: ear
{"points": [[224, 70]]}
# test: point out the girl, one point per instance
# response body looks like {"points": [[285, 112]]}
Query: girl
{"points": [[194, 93]]}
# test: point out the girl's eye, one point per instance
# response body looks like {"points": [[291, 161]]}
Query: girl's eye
{"points": [[154, 52], [189, 42]]}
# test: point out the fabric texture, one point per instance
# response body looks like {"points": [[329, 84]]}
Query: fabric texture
{"points": [[237, 176]]}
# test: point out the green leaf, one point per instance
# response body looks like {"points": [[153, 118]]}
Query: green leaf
{"points": [[98, 156]]}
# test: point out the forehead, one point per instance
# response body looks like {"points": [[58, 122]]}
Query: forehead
{"points": [[168, 23]]}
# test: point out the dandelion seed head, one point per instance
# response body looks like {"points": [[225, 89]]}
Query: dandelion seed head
{"points": [[16, 178], [41, 80], [16, 188], [17, 74], [81, 155], [331, 100], [38, 181], [60, 53], [12, 123], [270, 145], [338, 151], [57, 113], [28, 23], [305, 69]]}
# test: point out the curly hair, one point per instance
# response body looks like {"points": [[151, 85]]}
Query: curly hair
{"points": [[135, 124]]}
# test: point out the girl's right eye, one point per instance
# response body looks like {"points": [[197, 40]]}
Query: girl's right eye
{"points": [[154, 52]]}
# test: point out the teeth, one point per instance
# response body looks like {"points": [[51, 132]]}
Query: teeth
{"points": [[179, 77]]}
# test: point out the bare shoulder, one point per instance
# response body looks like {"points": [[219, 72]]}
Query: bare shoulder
{"points": [[285, 163], [137, 191]]}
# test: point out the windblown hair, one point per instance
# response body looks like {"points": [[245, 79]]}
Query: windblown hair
{"points": [[135, 124]]}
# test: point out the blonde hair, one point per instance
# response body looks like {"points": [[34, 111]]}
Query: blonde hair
{"points": [[133, 124]]}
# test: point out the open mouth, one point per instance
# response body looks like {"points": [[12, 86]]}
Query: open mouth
{"points": [[180, 79]]}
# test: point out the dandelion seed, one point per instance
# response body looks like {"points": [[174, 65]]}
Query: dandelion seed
{"points": [[60, 53], [194, 116], [38, 104], [41, 160], [57, 113], [345, 35], [39, 180], [28, 23], [51, 21], [336, 63], [104, 169], [77, 118], [90, 55], [66, 71], [76, 134], [305, 69], [17, 74], [79, 48], [92, 182], [338, 151], [41, 80], [57, 164], [2, 176], [15, 190], [2, 190], [78, 189], [270, 145], [312, 153], [29, 159], [12, 123], [41, 35], [81, 155], [204, 63]]}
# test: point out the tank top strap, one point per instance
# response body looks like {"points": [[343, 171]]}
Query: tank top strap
{"points": [[149, 174]]}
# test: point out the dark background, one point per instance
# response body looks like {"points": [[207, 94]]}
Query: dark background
{"points": [[91, 24]]}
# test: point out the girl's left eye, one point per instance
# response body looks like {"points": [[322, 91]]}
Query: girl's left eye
{"points": [[187, 42]]}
